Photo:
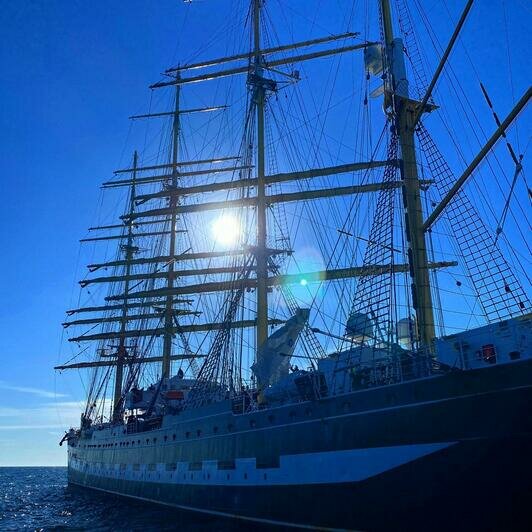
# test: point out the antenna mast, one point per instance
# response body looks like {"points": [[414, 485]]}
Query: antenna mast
{"points": [[405, 112]]}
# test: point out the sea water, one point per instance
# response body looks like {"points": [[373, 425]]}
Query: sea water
{"points": [[38, 498]]}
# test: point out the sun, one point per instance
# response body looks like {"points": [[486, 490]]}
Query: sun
{"points": [[226, 230]]}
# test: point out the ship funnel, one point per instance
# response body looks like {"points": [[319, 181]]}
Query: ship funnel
{"points": [[359, 327]]}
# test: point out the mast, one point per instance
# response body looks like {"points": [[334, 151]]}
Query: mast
{"points": [[261, 252], [405, 113], [169, 314], [130, 251]]}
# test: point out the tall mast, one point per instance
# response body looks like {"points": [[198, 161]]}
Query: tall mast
{"points": [[404, 112], [261, 252], [129, 251], [169, 310]]}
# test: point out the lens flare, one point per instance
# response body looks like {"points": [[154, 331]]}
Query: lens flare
{"points": [[226, 230]]}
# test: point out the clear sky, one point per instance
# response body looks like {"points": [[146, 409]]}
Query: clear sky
{"points": [[71, 73]]}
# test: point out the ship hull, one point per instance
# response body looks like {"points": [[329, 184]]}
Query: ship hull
{"points": [[451, 451], [469, 486]]}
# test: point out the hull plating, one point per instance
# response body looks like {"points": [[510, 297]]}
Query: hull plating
{"points": [[463, 443]]}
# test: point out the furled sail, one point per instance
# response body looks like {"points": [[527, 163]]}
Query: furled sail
{"points": [[273, 361]]}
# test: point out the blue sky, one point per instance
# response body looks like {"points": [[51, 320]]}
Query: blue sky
{"points": [[71, 73]]}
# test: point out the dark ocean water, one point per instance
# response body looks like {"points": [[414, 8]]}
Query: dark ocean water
{"points": [[38, 498]]}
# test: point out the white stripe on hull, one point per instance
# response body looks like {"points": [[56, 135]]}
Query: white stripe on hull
{"points": [[331, 467]]}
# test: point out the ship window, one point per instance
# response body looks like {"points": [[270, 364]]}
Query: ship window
{"points": [[136, 467], [147, 440], [187, 434], [215, 429], [138, 441], [346, 406], [171, 467], [252, 423], [292, 414], [195, 466], [308, 412], [173, 436], [154, 440], [515, 355], [245, 475], [151, 467], [198, 432], [271, 418]]}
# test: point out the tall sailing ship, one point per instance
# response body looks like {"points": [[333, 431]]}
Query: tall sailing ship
{"points": [[273, 342]]}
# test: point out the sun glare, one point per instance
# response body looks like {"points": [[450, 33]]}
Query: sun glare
{"points": [[226, 230]]}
